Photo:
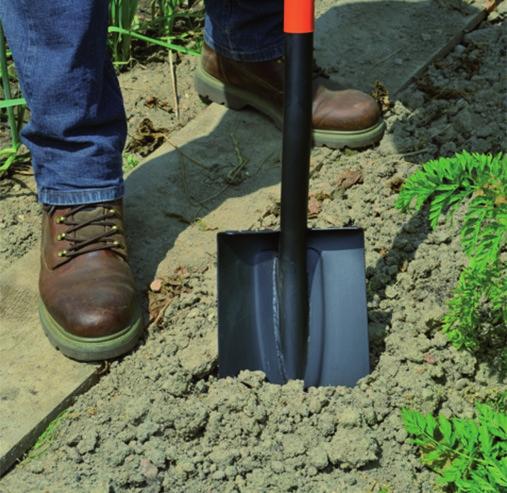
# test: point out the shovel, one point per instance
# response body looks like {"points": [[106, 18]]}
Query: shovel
{"points": [[293, 303]]}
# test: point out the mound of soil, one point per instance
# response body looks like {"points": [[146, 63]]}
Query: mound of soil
{"points": [[162, 421]]}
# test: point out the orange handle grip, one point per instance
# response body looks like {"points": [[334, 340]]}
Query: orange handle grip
{"points": [[298, 16]]}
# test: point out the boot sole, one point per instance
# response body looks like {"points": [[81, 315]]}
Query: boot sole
{"points": [[211, 89], [90, 348]]}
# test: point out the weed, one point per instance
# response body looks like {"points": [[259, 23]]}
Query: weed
{"points": [[126, 24], [9, 154], [477, 312], [164, 12], [202, 225], [122, 20], [47, 436], [130, 161], [469, 455]]}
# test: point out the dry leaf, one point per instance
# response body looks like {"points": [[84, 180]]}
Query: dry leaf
{"points": [[314, 206], [169, 289], [489, 5], [150, 101], [348, 178], [381, 95], [156, 285]]}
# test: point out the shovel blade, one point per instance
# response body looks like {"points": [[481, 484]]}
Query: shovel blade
{"points": [[248, 327]]}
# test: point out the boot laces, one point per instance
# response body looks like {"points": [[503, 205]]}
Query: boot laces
{"points": [[80, 242]]}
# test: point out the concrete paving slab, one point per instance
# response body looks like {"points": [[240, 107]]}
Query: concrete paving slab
{"points": [[360, 42], [216, 174], [37, 382]]}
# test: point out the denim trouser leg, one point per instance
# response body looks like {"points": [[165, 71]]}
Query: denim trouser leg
{"points": [[78, 127], [245, 30]]}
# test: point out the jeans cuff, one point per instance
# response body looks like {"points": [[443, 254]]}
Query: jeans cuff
{"points": [[78, 197], [268, 53]]}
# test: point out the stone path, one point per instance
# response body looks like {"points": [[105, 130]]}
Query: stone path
{"points": [[36, 381]]}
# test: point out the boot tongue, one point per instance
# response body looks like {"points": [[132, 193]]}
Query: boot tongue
{"points": [[88, 214]]}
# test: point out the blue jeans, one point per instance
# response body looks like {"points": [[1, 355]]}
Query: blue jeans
{"points": [[77, 127]]}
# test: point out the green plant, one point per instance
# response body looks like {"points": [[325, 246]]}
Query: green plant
{"points": [[122, 19], [498, 400], [164, 11], [475, 184], [469, 455], [47, 436], [125, 25], [129, 161], [9, 154]]}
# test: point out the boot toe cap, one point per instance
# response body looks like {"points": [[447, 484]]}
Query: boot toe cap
{"points": [[102, 312], [345, 111]]}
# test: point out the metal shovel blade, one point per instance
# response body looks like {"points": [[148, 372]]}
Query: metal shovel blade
{"points": [[248, 319]]}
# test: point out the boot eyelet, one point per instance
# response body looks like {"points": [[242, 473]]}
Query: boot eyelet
{"points": [[62, 253], [60, 219], [114, 227], [61, 236], [112, 211], [116, 243]]}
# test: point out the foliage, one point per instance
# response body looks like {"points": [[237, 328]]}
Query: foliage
{"points": [[126, 24], [14, 107], [467, 454], [498, 401], [477, 314], [129, 161], [477, 183], [47, 436], [122, 16], [448, 182], [164, 12]]}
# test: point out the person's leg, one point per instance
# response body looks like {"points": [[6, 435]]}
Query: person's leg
{"points": [[242, 65], [89, 307], [245, 30], [77, 126]]}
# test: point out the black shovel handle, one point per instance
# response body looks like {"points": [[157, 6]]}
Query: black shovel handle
{"points": [[297, 130]]}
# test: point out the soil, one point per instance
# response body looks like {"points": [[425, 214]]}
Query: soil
{"points": [[161, 420], [150, 102]]}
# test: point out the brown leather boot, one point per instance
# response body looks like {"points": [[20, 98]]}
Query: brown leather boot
{"points": [[89, 308], [341, 117]]}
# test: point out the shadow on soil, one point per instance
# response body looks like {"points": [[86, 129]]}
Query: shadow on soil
{"points": [[16, 186]]}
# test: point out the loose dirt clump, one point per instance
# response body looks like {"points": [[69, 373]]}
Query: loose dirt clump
{"points": [[459, 103]]}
